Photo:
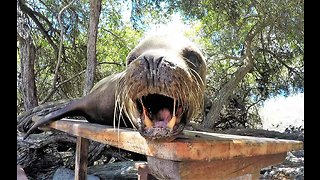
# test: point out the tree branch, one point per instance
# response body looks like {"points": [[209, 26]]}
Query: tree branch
{"points": [[117, 37], [61, 44], [54, 82], [30, 13], [60, 84], [261, 99], [47, 21], [68, 80], [115, 63], [280, 60], [247, 43], [226, 56], [230, 86]]}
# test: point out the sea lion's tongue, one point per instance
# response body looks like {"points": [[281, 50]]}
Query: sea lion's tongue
{"points": [[163, 117]]}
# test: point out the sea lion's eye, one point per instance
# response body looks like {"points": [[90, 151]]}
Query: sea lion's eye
{"points": [[193, 58], [131, 58]]}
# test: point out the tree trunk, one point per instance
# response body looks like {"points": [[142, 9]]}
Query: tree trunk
{"points": [[227, 89], [27, 58], [95, 9], [223, 95]]}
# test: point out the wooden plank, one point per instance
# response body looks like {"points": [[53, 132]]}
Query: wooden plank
{"points": [[241, 167], [81, 159], [190, 146]]}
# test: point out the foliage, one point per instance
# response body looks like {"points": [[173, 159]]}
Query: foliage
{"points": [[115, 39], [147, 12], [221, 28], [277, 49]]}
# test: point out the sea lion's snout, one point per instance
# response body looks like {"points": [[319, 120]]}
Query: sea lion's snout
{"points": [[158, 82]]}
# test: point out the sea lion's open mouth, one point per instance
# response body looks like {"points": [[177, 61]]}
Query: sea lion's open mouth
{"points": [[161, 116]]}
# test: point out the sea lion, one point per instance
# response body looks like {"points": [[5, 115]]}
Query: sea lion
{"points": [[159, 92]]}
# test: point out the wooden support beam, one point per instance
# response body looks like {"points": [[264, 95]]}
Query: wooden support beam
{"points": [[247, 167], [81, 165]]}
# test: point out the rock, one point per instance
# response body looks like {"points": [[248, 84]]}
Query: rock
{"points": [[116, 170], [298, 154], [291, 168], [67, 174]]}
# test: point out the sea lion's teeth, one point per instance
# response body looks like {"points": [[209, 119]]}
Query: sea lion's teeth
{"points": [[146, 120], [172, 122]]}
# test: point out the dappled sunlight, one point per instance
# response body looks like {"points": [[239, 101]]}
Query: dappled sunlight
{"points": [[174, 26]]}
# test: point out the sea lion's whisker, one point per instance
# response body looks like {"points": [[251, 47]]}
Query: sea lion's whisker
{"points": [[189, 61], [116, 107], [196, 77], [128, 111]]}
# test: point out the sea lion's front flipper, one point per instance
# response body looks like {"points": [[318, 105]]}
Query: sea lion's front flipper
{"points": [[67, 110]]}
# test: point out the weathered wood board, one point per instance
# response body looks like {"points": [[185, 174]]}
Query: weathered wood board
{"points": [[190, 146]]}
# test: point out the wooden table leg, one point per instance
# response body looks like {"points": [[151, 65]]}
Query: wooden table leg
{"points": [[81, 158], [143, 172]]}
